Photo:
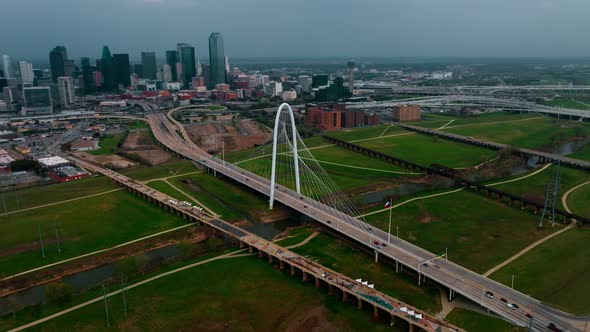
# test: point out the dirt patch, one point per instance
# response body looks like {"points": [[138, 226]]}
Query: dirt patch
{"points": [[463, 239], [315, 319], [427, 217], [235, 136], [142, 145]]}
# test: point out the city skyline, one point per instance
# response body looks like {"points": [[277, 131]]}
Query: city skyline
{"points": [[378, 28]]}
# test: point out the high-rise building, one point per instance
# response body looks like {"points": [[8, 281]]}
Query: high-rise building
{"points": [[107, 70], [148, 61], [171, 60], [305, 83], [57, 61], [206, 74], [69, 68], [179, 47], [350, 76], [319, 80], [25, 70], [65, 86], [87, 76], [138, 69], [37, 100], [7, 66], [188, 65], [122, 69], [216, 59], [167, 73]]}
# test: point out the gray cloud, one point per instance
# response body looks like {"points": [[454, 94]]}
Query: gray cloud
{"points": [[300, 28]]}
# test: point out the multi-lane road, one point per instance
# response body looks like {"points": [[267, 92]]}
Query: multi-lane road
{"points": [[461, 280]]}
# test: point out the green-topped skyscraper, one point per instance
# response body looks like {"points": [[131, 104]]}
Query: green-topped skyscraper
{"points": [[216, 59]]}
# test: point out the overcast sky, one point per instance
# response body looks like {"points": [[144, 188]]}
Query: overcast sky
{"points": [[313, 28]]}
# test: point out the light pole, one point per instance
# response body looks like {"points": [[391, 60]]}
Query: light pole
{"points": [[483, 291], [389, 229]]}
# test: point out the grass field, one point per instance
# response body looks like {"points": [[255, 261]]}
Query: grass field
{"points": [[479, 233], [342, 257], [251, 296], [555, 272], [108, 144], [296, 236], [578, 201], [533, 134], [426, 150], [35, 196], [169, 168], [230, 200], [473, 321], [83, 226], [534, 186], [583, 153], [568, 103]]}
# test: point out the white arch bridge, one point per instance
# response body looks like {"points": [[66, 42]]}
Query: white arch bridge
{"points": [[317, 197]]}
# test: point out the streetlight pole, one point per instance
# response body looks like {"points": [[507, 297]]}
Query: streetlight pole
{"points": [[483, 291], [389, 230]]}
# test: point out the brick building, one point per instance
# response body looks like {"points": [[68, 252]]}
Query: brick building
{"points": [[327, 117], [404, 113]]}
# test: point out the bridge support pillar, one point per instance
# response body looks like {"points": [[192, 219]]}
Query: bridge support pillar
{"points": [[392, 321], [411, 328], [304, 278], [250, 249], [359, 303], [317, 282], [259, 253], [269, 259], [344, 296], [396, 266], [330, 289], [376, 256], [281, 265], [375, 312], [292, 270]]}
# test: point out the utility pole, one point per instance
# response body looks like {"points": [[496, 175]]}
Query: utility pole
{"points": [[106, 307], [41, 240], [544, 205], [512, 286], [123, 293], [555, 192], [57, 238]]}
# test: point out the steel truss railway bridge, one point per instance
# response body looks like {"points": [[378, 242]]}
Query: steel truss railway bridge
{"points": [[456, 278]]}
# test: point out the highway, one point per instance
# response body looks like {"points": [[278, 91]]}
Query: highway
{"points": [[477, 101], [461, 280]]}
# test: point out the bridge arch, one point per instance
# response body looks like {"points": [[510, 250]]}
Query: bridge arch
{"points": [[274, 152]]}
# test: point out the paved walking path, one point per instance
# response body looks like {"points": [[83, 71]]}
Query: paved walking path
{"points": [[454, 191], [233, 254], [445, 125], [61, 202], [567, 193], [97, 251], [492, 122], [527, 249]]}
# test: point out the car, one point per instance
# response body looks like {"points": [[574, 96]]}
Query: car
{"points": [[529, 315], [383, 245], [504, 300], [515, 305], [376, 243], [554, 328], [489, 295], [328, 221], [511, 306]]}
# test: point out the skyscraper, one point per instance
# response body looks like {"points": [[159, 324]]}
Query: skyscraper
{"points": [[25, 70], [106, 68], [69, 68], [148, 61], [65, 86], [188, 65], [171, 60], [122, 69], [57, 59], [179, 47], [216, 59], [87, 75], [138, 69], [7, 66], [350, 76]]}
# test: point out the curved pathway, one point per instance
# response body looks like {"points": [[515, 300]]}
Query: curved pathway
{"points": [[567, 193]]}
